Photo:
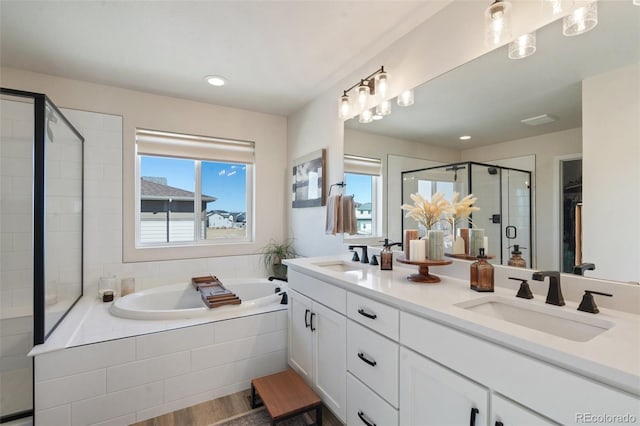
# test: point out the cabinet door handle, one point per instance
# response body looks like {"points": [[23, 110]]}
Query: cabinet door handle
{"points": [[472, 419], [311, 321], [306, 318], [364, 419], [366, 314], [499, 423], [367, 360]]}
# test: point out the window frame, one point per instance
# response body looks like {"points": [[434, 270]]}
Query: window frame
{"points": [[133, 251], [372, 167]]}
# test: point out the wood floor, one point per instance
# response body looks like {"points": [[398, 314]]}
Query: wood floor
{"points": [[214, 411]]}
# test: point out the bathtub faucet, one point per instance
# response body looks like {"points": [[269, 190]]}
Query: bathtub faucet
{"points": [[278, 278]]}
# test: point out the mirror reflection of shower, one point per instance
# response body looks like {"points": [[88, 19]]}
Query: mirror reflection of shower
{"points": [[50, 117]]}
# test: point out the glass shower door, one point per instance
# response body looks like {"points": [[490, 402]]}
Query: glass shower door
{"points": [[485, 184], [16, 259], [516, 213]]}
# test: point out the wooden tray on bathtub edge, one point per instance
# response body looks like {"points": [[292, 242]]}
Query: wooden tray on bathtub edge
{"points": [[213, 293]]}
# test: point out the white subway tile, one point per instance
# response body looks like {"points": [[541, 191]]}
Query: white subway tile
{"points": [[58, 416], [223, 353], [272, 342], [244, 327], [147, 371], [157, 344], [70, 388], [119, 421], [197, 382], [17, 344], [84, 358], [281, 319], [174, 405], [116, 404]]}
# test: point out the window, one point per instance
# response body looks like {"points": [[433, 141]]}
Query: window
{"points": [[192, 189], [362, 176]]}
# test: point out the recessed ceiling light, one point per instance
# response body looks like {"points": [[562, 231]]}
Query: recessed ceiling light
{"points": [[465, 138], [215, 80]]}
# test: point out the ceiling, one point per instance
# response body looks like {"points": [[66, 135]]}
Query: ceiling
{"points": [[276, 55], [486, 98]]}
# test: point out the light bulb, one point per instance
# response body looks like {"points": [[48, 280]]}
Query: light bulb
{"points": [[382, 84], [344, 107], [366, 116], [498, 23], [363, 95], [383, 108], [406, 98], [523, 46], [556, 7], [581, 20]]}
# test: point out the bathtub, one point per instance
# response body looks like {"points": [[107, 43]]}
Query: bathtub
{"points": [[182, 301]]}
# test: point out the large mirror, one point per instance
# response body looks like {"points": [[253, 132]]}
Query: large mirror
{"points": [[489, 98]]}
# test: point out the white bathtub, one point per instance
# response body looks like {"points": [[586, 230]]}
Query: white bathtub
{"points": [[183, 301]]}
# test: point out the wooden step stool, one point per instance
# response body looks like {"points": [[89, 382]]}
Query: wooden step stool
{"points": [[285, 395]]}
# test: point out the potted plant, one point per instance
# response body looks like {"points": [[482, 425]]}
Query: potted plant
{"points": [[274, 253]]}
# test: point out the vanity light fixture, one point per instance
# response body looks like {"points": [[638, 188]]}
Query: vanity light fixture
{"points": [[636, 2], [216, 80], [406, 98], [497, 23], [523, 46], [366, 116], [556, 7], [383, 108], [581, 20], [375, 84]]}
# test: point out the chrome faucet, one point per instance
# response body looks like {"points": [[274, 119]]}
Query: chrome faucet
{"points": [[365, 257], [554, 295]]}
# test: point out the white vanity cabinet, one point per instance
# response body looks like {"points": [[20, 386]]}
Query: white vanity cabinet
{"points": [[505, 412], [318, 338], [431, 394]]}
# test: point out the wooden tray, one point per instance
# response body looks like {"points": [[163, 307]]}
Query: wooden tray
{"points": [[213, 293]]}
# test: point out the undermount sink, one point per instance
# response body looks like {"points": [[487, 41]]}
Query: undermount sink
{"points": [[558, 321], [339, 266], [350, 269]]}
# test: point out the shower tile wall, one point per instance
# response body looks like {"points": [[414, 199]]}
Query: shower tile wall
{"points": [[16, 259], [103, 216]]}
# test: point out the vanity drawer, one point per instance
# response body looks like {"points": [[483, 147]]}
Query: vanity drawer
{"points": [[375, 315], [329, 295], [365, 408], [374, 360]]}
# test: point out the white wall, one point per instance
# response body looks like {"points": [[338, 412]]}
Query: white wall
{"points": [[611, 155], [448, 39], [546, 149], [145, 110]]}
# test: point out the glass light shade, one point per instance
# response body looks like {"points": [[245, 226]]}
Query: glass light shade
{"points": [[581, 20], [406, 98], [383, 108], [382, 85], [366, 116], [636, 2], [363, 95], [344, 107], [556, 7], [523, 46], [497, 29]]}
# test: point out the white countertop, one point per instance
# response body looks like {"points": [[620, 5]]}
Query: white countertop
{"points": [[612, 357]]}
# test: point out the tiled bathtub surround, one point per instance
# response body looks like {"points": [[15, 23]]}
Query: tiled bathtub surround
{"points": [[136, 378]]}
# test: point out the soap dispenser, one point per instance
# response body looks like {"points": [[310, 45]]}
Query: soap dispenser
{"points": [[482, 274], [386, 257], [516, 258]]}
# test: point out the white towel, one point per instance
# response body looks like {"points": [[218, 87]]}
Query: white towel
{"points": [[334, 215]]}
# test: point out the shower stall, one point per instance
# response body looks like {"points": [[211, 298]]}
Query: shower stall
{"points": [[503, 196], [41, 174]]}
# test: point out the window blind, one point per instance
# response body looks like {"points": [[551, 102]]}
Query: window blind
{"points": [[152, 142], [362, 165]]}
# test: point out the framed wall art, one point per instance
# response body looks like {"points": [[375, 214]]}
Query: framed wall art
{"points": [[309, 180]]}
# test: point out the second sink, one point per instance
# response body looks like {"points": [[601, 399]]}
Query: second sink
{"points": [[557, 321]]}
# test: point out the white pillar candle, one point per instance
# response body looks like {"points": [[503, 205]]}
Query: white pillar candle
{"points": [[417, 248], [486, 246]]}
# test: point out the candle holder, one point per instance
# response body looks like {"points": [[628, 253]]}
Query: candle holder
{"points": [[423, 276]]}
